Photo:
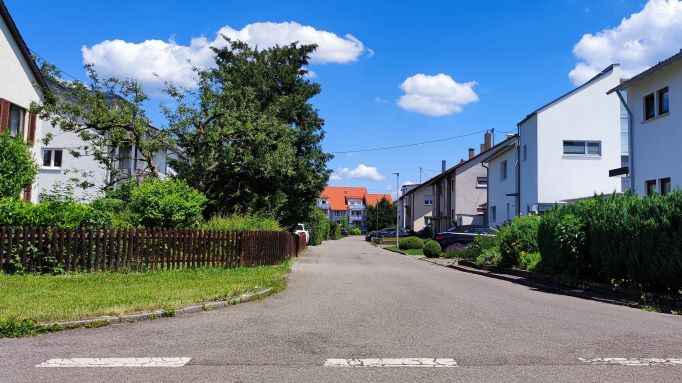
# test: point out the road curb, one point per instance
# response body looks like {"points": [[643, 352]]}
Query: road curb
{"points": [[161, 313]]}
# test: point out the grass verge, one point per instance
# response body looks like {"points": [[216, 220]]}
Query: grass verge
{"points": [[27, 299], [414, 252]]}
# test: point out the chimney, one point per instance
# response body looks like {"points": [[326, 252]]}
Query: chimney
{"points": [[482, 148], [472, 153], [488, 140], [443, 166]]}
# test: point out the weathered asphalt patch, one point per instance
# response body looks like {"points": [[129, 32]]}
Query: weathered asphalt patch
{"points": [[114, 362], [633, 361], [391, 362]]}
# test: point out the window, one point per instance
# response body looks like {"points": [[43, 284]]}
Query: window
{"points": [[428, 200], [481, 182], [650, 187], [508, 211], [582, 148], [663, 101], [503, 170], [525, 152], [493, 213], [52, 158], [124, 157], [16, 121], [665, 185], [649, 103]]}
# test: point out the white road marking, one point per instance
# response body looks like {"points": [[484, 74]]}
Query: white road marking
{"points": [[633, 361], [114, 362], [391, 362]]}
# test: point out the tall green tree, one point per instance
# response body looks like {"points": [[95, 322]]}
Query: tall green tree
{"points": [[250, 136], [108, 115], [381, 215]]}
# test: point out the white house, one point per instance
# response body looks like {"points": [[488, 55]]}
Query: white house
{"points": [[502, 165], [568, 146], [21, 83], [652, 98]]}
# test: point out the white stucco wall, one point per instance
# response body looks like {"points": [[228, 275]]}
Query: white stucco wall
{"points": [[17, 83], [528, 142], [418, 211], [586, 115], [499, 188], [656, 148], [468, 197]]}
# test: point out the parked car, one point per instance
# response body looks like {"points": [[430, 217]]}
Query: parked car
{"points": [[300, 229], [388, 233], [462, 235]]}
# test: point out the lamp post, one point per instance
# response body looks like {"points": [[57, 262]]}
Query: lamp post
{"points": [[397, 216]]}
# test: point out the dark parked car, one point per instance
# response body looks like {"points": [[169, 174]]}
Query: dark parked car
{"points": [[386, 233], [462, 235]]}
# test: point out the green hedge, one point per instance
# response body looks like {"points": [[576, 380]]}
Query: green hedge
{"points": [[410, 243], [166, 203], [319, 227], [617, 238], [518, 237], [432, 249], [246, 222], [335, 231], [66, 214]]}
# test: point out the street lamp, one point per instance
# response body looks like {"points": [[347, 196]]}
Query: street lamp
{"points": [[397, 216]]}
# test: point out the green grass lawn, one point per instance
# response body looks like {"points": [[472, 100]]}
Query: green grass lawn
{"points": [[406, 252], [78, 296]]}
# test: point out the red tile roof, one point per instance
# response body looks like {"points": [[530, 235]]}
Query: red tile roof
{"points": [[338, 196]]}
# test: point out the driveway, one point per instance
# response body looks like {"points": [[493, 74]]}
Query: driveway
{"points": [[349, 300]]}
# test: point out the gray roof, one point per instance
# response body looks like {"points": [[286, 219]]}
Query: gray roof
{"points": [[660, 65]]}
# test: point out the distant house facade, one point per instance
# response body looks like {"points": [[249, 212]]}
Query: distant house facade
{"points": [[652, 98], [502, 176], [21, 83], [567, 147], [415, 207], [340, 202]]}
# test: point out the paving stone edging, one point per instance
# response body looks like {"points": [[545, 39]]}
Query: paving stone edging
{"points": [[161, 313]]}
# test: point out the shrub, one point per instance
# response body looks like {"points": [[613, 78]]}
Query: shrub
{"points": [[520, 235], [66, 214], [530, 261], [432, 249], [354, 231], [166, 203], [425, 233], [319, 227], [489, 257], [242, 223], [17, 168], [410, 243], [480, 244], [561, 240], [335, 231]]}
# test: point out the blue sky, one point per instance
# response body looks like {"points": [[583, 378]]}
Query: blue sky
{"points": [[518, 53]]}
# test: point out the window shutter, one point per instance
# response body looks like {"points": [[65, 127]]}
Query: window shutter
{"points": [[28, 193], [31, 138], [4, 115]]}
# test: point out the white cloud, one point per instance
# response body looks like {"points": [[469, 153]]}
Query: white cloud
{"points": [[362, 171], [437, 95], [638, 42], [380, 100], [154, 62]]}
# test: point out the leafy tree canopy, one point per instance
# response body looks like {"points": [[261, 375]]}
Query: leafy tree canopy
{"points": [[381, 215], [250, 137]]}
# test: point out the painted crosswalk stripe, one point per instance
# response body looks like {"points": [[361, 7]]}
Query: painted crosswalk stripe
{"points": [[633, 361], [114, 362], [391, 362]]}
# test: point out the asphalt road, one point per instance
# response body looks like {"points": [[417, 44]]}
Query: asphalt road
{"points": [[347, 299]]}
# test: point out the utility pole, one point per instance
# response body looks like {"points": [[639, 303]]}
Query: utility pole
{"points": [[397, 216]]}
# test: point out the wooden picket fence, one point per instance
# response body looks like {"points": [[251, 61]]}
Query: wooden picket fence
{"points": [[85, 250]]}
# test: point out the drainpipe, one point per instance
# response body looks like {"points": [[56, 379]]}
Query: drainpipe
{"points": [[487, 195], [631, 149], [519, 147]]}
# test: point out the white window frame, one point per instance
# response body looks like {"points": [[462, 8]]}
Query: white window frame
{"points": [[52, 158], [586, 144], [481, 185], [21, 129], [504, 170], [428, 200]]}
